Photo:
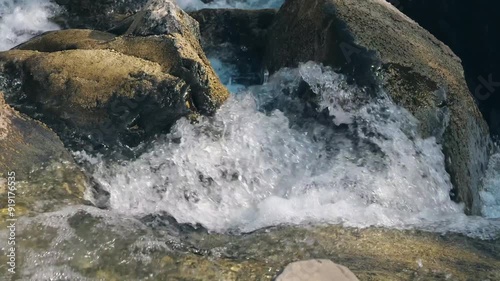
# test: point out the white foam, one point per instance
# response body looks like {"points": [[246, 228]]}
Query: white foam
{"points": [[490, 193], [247, 168], [238, 4], [20, 20]]}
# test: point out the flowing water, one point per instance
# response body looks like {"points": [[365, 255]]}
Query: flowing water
{"points": [[22, 19], [267, 158], [239, 4], [258, 163]]}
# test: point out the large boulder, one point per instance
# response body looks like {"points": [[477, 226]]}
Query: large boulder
{"points": [[470, 29], [108, 89], [85, 90], [374, 43], [35, 159]]}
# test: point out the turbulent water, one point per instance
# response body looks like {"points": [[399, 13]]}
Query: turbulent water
{"points": [[259, 162], [263, 160], [490, 194], [22, 19]]}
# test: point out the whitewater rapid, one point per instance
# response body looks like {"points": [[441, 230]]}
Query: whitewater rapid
{"points": [[260, 162], [20, 20]]}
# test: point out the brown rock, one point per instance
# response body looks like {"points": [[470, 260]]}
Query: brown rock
{"points": [[118, 89]]}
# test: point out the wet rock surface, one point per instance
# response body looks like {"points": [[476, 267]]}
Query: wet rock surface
{"points": [[140, 83], [419, 72], [470, 30], [95, 14], [112, 90], [33, 157]]}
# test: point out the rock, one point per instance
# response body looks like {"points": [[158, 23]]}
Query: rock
{"points": [[318, 270], [470, 30], [94, 14], [236, 37], [163, 17], [111, 89], [103, 95], [374, 43], [32, 154]]}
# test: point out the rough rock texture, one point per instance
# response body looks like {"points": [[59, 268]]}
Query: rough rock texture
{"points": [[318, 270], [470, 29], [97, 14], [36, 155], [236, 37], [86, 90], [368, 37], [116, 89]]}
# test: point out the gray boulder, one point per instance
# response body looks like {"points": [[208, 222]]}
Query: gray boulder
{"points": [[376, 44]]}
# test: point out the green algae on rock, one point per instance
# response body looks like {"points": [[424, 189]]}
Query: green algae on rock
{"points": [[419, 72]]}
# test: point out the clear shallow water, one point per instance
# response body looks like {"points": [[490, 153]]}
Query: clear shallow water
{"points": [[260, 163], [20, 20]]}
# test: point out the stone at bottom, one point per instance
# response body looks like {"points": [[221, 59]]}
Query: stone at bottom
{"points": [[316, 270]]}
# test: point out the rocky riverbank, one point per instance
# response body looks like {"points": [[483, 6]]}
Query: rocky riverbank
{"points": [[111, 87]]}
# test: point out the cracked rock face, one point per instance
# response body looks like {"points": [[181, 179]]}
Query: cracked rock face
{"points": [[413, 67], [108, 90]]}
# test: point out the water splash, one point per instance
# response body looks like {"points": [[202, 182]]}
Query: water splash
{"points": [[238, 4], [490, 194], [20, 20], [259, 162]]}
